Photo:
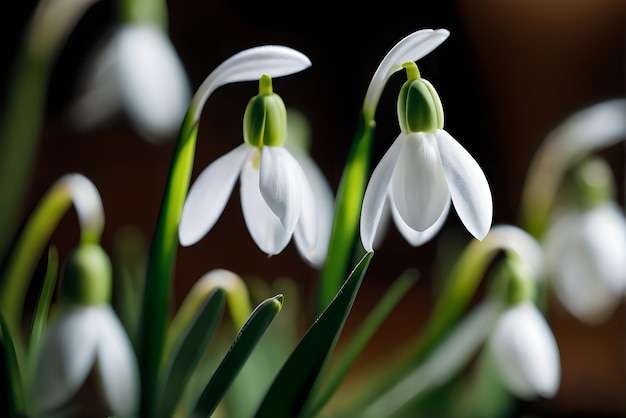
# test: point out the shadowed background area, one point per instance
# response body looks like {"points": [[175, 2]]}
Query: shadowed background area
{"points": [[507, 75]]}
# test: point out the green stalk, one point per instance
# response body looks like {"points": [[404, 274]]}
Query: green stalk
{"points": [[161, 261], [344, 238]]}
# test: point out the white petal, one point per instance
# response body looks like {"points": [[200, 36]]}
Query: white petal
{"points": [[411, 48], [118, 369], [323, 206], [263, 225], [65, 358], [416, 238], [585, 253], [153, 81], [526, 352], [470, 191], [281, 185], [376, 193], [209, 194], [250, 65], [420, 192]]}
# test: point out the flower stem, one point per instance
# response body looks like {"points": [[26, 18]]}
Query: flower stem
{"points": [[161, 262]]}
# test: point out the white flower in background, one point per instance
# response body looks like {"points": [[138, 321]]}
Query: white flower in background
{"points": [[423, 171], [276, 197], [586, 261], [526, 353], [82, 340], [137, 71], [85, 338]]}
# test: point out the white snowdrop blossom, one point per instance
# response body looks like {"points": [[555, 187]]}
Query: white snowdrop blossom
{"points": [[81, 340], [85, 338], [136, 71], [526, 353], [585, 260], [276, 197], [423, 171]]}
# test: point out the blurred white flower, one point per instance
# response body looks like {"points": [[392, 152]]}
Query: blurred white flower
{"points": [[586, 263], [137, 71], [526, 352], [83, 340], [423, 171]]}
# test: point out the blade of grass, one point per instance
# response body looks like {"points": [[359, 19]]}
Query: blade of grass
{"points": [[242, 347], [296, 379], [187, 353]]}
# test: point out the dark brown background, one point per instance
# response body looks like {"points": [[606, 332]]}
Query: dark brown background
{"points": [[509, 72]]}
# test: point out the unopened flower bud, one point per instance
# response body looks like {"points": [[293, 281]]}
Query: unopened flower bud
{"points": [[419, 106], [87, 277], [265, 119]]}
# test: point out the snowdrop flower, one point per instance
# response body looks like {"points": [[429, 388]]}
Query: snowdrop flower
{"points": [[86, 337], [276, 197], [423, 172], [526, 352], [585, 246], [138, 71]]}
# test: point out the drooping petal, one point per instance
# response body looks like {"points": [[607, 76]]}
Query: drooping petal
{"points": [[281, 180], [66, 357], [264, 226], [420, 191], [416, 238], [585, 254], [153, 81], [468, 185], [315, 207], [526, 352], [411, 48], [209, 194], [376, 193], [250, 65], [118, 370]]}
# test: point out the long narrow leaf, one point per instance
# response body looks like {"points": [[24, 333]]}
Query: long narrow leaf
{"points": [[296, 379], [188, 351], [13, 396], [381, 311], [40, 318], [242, 347]]}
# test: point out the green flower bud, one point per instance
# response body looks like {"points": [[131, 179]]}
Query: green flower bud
{"points": [[591, 183], [87, 277], [265, 119], [512, 281], [419, 106]]}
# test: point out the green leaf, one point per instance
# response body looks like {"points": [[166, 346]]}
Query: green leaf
{"points": [[40, 318], [161, 261], [381, 311], [12, 397], [187, 353], [347, 214], [296, 379], [242, 347]]}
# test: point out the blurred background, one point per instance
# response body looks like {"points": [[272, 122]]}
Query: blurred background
{"points": [[507, 75]]}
